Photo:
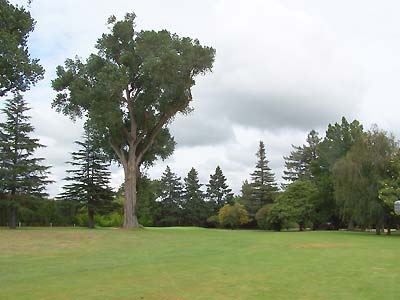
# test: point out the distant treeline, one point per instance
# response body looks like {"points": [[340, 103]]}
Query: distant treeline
{"points": [[348, 179]]}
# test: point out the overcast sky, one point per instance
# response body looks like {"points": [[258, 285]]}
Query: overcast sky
{"points": [[282, 68]]}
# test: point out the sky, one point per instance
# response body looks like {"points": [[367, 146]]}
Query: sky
{"points": [[282, 68]]}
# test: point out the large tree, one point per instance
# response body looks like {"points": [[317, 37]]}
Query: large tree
{"points": [[18, 70], [89, 179], [358, 178], [218, 193], [21, 173], [339, 139], [131, 90]]}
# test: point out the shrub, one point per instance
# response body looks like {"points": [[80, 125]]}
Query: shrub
{"points": [[213, 221], [261, 216], [232, 216]]}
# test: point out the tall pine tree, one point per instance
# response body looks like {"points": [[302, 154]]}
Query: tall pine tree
{"points": [[263, 183], [90, 178], [171, 192], [21, 174], [218, 192], [194, 207]]}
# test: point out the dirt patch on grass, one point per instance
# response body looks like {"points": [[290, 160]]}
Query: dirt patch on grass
{"points": [[321, 245]]}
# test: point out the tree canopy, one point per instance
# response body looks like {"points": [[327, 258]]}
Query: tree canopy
{"points": [[18, 70], [131, 89]]}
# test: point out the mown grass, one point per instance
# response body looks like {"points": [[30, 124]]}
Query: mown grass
{"points": [[194, 263]]}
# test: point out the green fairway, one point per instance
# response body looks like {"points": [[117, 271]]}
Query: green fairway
{"points": [[194, 263]]}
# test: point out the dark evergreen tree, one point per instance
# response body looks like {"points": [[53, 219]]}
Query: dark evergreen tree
{"points": [[171, 193], [218, 192], [21, 174], [299, 163], [195, 208], [90, 178], [263, 183]]}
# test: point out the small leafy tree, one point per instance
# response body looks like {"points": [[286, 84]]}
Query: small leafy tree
{"points": [[233, 216], [21, 174]]}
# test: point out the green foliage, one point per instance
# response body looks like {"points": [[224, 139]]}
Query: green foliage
{"points": [[233, 216], [195, 209], [262, 188], [300, 161], [171, 199], [213, 221], [339, 139], [261, 216], [358, 179], [18, 70], [148, 209], [296, 204], [21, 174], [218, 193], [131, 90], [40, 212], [90, 178]]}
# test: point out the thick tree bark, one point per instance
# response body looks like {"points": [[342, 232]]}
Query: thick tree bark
{"points": [[130, 218], [90, 217]]}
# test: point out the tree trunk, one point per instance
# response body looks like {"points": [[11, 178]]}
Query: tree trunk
{"points": [[13, 217], [90, 217], [301, 226], [350, 226], [378, 229], [130, 218]]}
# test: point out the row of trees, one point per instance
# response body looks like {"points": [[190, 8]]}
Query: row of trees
{"points": [[350, 178], [129, 91]]}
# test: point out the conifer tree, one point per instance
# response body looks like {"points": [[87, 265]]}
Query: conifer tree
{"points": [[263, 182], [218, 192], [21, 174], [90, 178], [171, 192], [194, 207], [299, 163]]}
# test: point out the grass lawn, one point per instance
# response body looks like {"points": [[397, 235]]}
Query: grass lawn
{"points": [[194, 263]]}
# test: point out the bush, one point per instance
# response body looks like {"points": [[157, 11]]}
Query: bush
{"points": [[261, 216], [113, 219], [232, 216], [213, 221]]}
